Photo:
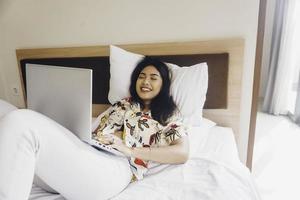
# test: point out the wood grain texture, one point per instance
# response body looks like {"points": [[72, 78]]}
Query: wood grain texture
{"points": [[256, 80]]}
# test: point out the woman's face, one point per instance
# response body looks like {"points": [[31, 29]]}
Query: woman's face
{"points": [[148, 84]]}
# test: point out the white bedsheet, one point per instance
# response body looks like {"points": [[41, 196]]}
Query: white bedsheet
{"points": [[199, 178], [214, 174]]}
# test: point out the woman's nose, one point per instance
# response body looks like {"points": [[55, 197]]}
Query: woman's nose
{"points": [[146, 81]]}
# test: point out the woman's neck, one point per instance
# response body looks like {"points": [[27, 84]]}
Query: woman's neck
{"points": [[146, 106]]}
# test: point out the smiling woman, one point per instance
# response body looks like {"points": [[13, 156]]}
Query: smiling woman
{"points": [[148, 84], [153, 129]]}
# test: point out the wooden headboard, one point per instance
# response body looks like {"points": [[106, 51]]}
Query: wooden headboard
{"points": [[224, 58]]}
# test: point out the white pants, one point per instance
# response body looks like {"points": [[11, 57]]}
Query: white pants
{"points": [[31, 143]]}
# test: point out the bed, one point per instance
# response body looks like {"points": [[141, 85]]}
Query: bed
{"points": [[214, 170]]}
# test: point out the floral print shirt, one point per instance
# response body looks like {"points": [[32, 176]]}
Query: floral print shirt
{"points": [[139, 130]]}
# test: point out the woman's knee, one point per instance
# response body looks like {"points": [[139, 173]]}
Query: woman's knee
{"points": [[19, 116], [20, 122]]}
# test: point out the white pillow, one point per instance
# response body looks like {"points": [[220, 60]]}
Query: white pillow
{"points": [[6, 107], [122, 64], [188, 88]]}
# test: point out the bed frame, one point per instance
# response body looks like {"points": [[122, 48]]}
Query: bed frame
{"points": [[224, 92]]}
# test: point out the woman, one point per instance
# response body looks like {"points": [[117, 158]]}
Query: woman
{"points": [[149, 119], [147, 123]]}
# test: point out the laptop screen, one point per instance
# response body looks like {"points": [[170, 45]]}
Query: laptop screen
{"points": [[64, 94]]}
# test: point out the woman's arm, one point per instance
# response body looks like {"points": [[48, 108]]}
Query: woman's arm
{"points": [[177, 152]]}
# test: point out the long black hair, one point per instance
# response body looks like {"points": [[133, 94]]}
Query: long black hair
{"points": [[162, 106]]}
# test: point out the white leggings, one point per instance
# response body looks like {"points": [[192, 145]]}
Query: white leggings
{"points": [[31, 143]]}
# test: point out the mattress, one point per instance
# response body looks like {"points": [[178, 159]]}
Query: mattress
{"points": [[212, 172]]}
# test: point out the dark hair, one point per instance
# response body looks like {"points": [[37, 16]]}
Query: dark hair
{"points": [[162, 106]]}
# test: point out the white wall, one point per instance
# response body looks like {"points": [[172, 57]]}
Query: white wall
{"points": [[62, 23], [2, 82]]}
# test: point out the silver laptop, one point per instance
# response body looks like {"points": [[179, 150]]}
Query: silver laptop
{"points": [[64, 94]]}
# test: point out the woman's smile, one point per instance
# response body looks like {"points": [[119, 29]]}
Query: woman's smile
{"points": [[146, 89], [148, 84]]}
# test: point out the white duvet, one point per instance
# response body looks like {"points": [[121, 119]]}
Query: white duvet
{"points": [[214, 173], [199, 178]]}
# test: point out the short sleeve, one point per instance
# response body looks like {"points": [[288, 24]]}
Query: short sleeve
{"points": [[112, 119], [175, 129]]}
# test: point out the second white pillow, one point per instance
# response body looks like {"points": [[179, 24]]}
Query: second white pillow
{"points": [[188, 88]]}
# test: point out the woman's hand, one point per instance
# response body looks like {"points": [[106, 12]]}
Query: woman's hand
{"points": [[120, 146], [106, 139], [109, 138], [115, 142], [118, 134]]}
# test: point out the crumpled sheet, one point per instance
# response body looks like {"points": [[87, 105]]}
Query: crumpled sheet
{"points": [[199, 179]]}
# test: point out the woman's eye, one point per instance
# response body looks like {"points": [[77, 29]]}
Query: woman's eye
{"points": [[154, 79]]}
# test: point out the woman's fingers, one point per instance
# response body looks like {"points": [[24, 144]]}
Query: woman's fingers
{"points": [[106, 139], [109, 139], [118, 134], [120, 146]]}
